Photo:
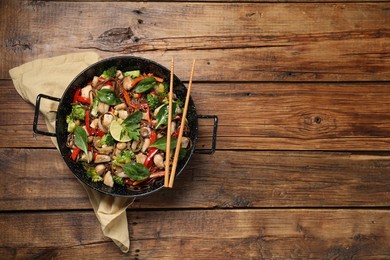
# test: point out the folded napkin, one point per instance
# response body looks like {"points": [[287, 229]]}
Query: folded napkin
{"points": [[51, 76]]}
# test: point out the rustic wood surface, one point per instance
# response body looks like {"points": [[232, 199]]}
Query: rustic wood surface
{"points": [[302, 167]]}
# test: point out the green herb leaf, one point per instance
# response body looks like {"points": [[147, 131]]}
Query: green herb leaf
{"points": [[135, 171], [161, 143], [162, 115], [182, 153], [108, 97], [80, 140], [132, 131], [134, 118], [109, 73], [145, 85]]}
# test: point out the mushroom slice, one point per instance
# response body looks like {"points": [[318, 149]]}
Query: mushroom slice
{"points": [[108, 180]]}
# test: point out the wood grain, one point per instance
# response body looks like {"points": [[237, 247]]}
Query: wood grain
{"points": [[259, 116], [219, 234], [250, 41], [227, 179]]}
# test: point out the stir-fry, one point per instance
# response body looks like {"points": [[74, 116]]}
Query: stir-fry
{"points": [[117, 128]]}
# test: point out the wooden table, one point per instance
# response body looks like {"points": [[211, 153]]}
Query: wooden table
{"points": [[302, 168]]}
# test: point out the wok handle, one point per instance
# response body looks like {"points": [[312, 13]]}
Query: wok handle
{"points": [[214, 139], [36, 115]]}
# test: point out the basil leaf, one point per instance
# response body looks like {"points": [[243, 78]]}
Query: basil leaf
{"points": [[80, 140], [162, 115], [134, 118], [108, 96], [182, 153], [145, 85], [135, 171], [161, 143]]}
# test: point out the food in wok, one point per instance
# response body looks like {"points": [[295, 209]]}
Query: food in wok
{"points": [[118, 128]]}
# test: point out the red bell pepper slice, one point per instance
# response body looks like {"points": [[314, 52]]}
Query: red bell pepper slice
{"points": [[153, 137], [149, 160], [100, 133], [75, 152], [87, 123], [77, 97]]}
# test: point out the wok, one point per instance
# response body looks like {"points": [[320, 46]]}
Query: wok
{"points": [[124, 63]]}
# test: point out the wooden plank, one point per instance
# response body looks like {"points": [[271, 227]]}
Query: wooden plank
{"points": [[219, 234], [227, 179], [250, 41], [257, 116]]}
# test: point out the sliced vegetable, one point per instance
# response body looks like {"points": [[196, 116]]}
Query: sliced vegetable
{"points": [[78, 112], [108, 97], [109, 73], [91, 172], [135, 171], [118, 180], [80, 140], [153, 101], [137, 80], [133, 74], [75, 153], [87, 123], [145, 85], [149, 160], [106, 140], [134, 118], [126, 157], [162, 115], [161, 143]]}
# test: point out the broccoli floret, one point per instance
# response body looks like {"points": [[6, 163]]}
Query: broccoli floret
{"points": [[118, 180], [107, 139], [71, 123], [133, 74], [126, 157], [153, 101], [78, 112], [91, 172], [162, 89], [109, 73]]}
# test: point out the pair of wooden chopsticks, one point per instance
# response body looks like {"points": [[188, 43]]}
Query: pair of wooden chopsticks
{"points": [[170, 175]]}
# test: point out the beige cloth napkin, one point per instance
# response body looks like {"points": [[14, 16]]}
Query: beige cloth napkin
{"points": [[51, 76]]}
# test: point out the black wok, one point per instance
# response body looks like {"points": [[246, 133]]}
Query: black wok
{"points": [[124, 63]]}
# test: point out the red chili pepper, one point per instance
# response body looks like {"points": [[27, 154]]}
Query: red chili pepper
{"points": [[149, 160], [77, 94], [75, 152], [94, 155], [78, 97], [153, 137], [87, 124], [100, 133]]}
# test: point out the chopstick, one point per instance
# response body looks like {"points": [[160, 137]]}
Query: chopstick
{"points": [[169, 130], [183, 119]]}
